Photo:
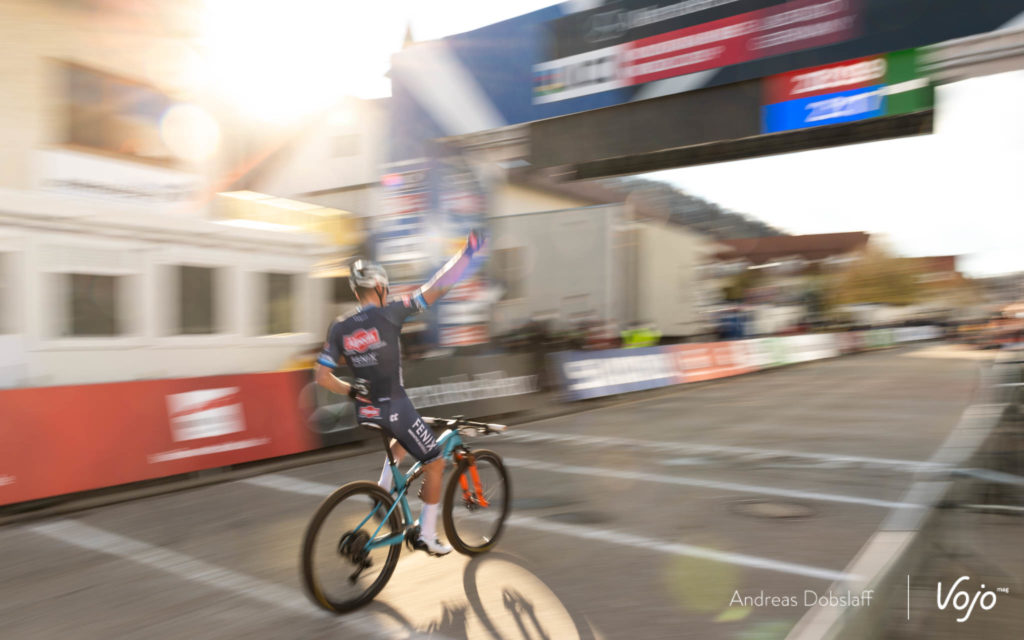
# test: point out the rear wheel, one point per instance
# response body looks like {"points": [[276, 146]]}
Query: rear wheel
{"points": [[476, 504], [338, 571]]}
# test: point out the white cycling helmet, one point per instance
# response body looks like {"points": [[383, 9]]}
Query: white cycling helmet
{"points": [[367, 275]]}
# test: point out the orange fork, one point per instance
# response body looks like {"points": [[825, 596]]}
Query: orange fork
{"points": [[481, 500]]}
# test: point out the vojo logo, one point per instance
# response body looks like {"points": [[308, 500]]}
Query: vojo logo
{"points": [[963, 601]]}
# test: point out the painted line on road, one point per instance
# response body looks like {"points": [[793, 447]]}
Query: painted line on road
{"points": [[749, 453], [609, 536], [676, 548], [602, 472], [85, 536]]}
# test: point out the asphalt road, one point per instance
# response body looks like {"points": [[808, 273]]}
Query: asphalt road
{"points": [[642, 520]]}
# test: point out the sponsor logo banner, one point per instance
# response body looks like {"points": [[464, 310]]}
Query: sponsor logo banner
{"points": [[473, 386], [590, 374], [698, 362], [762, 33], [60, 440], [205, 413], [463, 335], [845, 92]]}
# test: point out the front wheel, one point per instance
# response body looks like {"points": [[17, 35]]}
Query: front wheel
{"points": [[476, 502], [342, 568]]}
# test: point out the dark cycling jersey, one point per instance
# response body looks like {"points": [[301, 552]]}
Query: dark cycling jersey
{"points": [[368, 341]]}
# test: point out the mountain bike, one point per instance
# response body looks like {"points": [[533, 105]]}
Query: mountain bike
{"points": [[352, 544]]}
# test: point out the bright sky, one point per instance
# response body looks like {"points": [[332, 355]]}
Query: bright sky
{"points": [[958, 191]]}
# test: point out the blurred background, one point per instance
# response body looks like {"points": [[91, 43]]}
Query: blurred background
{"points": [[702, 188], [192, 178]]}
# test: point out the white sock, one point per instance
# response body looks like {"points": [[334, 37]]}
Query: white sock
{"points": [[428, 521], [386, 477]]}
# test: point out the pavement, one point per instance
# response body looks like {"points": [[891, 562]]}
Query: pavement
{"points": [[663, 517]]}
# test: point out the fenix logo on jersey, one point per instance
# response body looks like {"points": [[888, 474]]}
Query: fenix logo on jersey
{"points": [[361, 340]]}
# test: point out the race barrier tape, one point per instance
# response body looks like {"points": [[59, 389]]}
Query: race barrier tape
{"points": [[592, 374]]}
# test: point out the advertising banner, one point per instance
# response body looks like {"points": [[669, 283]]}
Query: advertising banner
{"points": [[582, 56], [591, 374], [430, 205], [465, 313], [472, 386], [847, 91], [60, 440], [696, 362], [815, 346], [741, 37]]}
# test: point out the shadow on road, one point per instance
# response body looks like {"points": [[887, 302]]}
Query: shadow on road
{"points": [[498, 596]]}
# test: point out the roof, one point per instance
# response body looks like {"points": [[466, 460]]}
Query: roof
{"points": [[809, 247], [936, 264]]}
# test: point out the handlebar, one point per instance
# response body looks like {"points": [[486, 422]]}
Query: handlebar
{"points": [[460, 423]]}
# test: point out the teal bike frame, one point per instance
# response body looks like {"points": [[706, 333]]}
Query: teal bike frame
{"points": [[449, 441]]}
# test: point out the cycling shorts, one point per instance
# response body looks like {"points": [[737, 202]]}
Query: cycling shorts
{"points": [[401, 421]]}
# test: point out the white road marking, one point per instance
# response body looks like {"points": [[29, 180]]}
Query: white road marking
{"points": [[602, 472], [88, 537], [282, 482], [675, 548], [610, 536], [692, 448]]}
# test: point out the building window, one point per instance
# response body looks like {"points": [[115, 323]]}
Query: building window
{"points": [[111, 114], [509, 271], [93, 302], [280, 296], [196, 307]]}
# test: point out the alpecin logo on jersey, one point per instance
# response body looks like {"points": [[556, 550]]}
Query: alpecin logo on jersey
{"points": [[360, 341], [369, 412]]}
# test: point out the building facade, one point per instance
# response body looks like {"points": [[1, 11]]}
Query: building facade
{"points": [[112, 264]]}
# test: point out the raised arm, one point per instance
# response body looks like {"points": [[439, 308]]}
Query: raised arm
{"points": [[454, 270]]}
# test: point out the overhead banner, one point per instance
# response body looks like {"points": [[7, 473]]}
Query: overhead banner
{"points": [[703, 43], [60, 440], [581, 56], [847, 91]]}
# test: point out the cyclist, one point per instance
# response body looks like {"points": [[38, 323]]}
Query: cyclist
{"points": [[368, 341]]}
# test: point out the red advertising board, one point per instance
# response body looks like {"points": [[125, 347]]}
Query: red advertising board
{"points": [[830, 78], [59, 440], [708, 361], [791, 26]]}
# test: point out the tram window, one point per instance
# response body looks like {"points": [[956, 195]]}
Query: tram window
{"points": [[280, 301], [93, 304], [196, 294]]}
